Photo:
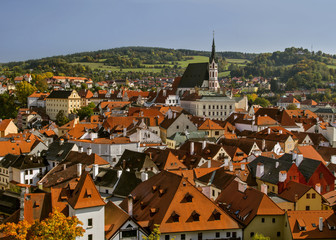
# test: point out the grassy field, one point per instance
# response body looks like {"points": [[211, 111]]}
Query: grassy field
{"points": [[151, 67]]}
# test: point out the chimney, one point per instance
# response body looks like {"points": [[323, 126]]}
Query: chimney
{"points": [[95, 171], [61, 141], [79, 169], [321, 224], [89, 151], [242, 167], [282, 176], [80, 149], [119, 172], [280, 131], [226, 161], [164, 92], [209, 163], [203, 144], [276, 164], [264, 188], [174, 115], [144, 176], [192, 148], [333, 159], [22, 198], [64, 166], [299, 158], [242, 186], [124, 132], [230, 167], [318, 188], [268, 131], [130, 205], [260, 170]]}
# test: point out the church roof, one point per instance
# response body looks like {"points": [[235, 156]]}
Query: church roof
{"points": [[194, 75]]}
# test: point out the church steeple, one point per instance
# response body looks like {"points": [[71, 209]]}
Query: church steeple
{"points": [[213, 52]]}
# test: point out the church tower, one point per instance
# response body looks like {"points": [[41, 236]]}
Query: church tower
{"points": [[213, 69]]}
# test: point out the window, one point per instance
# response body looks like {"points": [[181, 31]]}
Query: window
{"points": [[234, 234], [321, 175], [90, 222], [90, 237], [273, 220], [262, 220], [251, 234], [26, 172], [228, 234], [200, 236], [31, 181], [217, 234], [278, 234], [213, 193], [272, 188], [106, 191], [182, 236], [308, 195], [327, 188], [187, 127], [203, 106], [177, 126], [31, 171], [307, 208], [26, 181], [216, 133], [167, 237]]}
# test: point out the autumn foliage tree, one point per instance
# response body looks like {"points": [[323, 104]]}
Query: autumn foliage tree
{"points": [[56, 226]]}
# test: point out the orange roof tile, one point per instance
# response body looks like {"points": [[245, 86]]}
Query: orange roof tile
{"points": [[310, 152], [210, 125], [85, 194]]}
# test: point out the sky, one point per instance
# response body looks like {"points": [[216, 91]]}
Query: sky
{"points": [[40, 28]]}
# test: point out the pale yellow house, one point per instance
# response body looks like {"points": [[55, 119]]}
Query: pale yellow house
{"points": [[300, 197], [67, 101], [212, 129], [7, 126], [254, 210]]}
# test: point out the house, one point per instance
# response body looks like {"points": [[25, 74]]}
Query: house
{"points": [[120, 225], [311, 225], [87, 205], [67, 101], [37, 99], [27, 118], [285, 101], [115, 184], [7, 126], [211, 128], [276, 173], [175, 123], [174, 203], [5, 170], [136, 161], [213, 182], [300, 197], [28, 169], [165, 159], [327, 114], [254, 210]]}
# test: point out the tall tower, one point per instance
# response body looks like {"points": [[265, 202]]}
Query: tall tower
{"points": [[213, 68]]}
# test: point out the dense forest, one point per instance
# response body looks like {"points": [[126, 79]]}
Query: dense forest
{"points": [[297, 67]]}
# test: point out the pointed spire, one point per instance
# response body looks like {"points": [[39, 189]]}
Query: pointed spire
{"points": [[213, 52]]}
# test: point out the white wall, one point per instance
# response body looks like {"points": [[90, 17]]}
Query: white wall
{"points": [[98, 221], [205, 234]]}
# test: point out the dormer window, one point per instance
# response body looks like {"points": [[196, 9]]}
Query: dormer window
{"points": [[188, 197], [88, 193], [195, 216], [216, 215], [175, 217]]}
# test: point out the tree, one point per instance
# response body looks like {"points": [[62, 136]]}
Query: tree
{"points": [[56, 226], [23, 90], [291, 106], [8, 107], [61, 119], [262, 102], [84, 112], [155, 234], [260, 237]]}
